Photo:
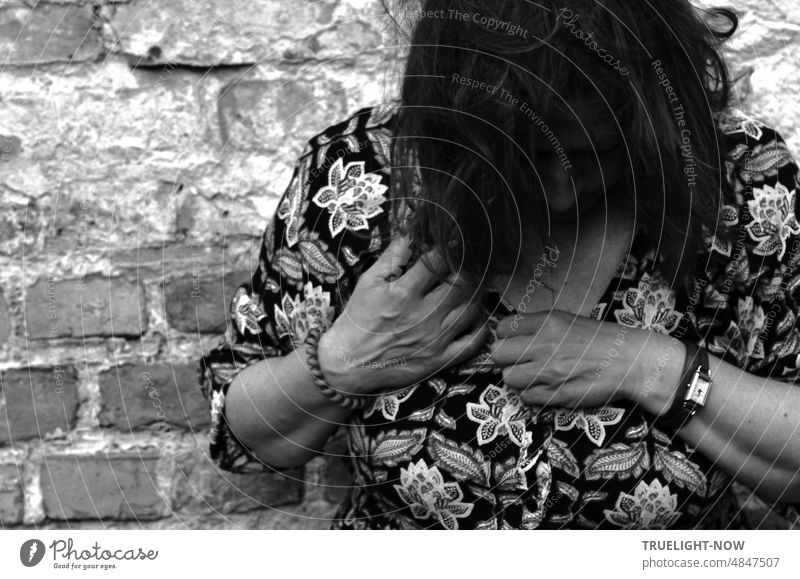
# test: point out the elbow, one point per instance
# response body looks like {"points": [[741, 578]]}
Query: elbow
{"points": [[273, 456]]}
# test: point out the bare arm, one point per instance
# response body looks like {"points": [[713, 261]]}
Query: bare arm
{"points": [[749, 425], [275, 409]]}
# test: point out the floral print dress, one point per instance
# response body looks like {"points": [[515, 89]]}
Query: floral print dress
{"points": [[459, 450]]}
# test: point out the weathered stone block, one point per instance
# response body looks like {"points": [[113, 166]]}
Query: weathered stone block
{"points": [[47, 33], [160, 396], [199, 485], [116, 486], [201, 304], [38, 402], [78, 308], [12, 504]]}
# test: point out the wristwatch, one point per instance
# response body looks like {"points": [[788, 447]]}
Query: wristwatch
{"points": [[697, 380]]}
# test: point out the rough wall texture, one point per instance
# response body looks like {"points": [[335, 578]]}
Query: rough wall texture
{"points": [[144, 145]]}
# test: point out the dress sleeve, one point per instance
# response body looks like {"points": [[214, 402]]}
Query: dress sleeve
{"points": [[762, 336], [328, 222]]}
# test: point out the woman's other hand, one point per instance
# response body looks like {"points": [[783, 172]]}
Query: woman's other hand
{"points": [[556, 358]]}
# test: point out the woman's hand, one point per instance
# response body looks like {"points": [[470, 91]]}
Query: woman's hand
{"points": [[556, 358], [399, 328]]}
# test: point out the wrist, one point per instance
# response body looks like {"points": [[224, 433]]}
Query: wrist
{"points": [[333, 363], [662, 367]]}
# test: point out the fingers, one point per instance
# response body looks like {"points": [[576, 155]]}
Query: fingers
{"points": [[425, 274], [393, 259], [468, 345], [463, 319]]}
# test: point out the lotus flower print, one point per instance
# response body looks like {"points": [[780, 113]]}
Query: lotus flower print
{"points": [[650, 507], [650, 307], [424, 489], [772, 209], [351, 197], [299, 315]]}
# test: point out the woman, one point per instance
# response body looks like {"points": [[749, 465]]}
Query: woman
{"points": [[519, 267]]}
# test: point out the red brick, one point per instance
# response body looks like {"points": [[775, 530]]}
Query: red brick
{"points": [[199, 486], [38, 401], [105, 486], [47, 34], [201, 303], [77, 308], [135, 397], [12, 504]]}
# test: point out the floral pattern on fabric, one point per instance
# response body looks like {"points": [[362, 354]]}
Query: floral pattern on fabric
{"points": [[459, 450]]}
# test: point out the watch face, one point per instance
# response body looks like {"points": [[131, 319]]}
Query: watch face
{"points": [[698, 389]]}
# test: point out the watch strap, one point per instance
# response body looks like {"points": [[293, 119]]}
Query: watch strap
{"points": [[681, 409]]}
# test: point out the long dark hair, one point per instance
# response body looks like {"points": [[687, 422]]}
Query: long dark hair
{"points": [[461, 155]]}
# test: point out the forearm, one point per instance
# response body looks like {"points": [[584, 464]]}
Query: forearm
{"points": [[277, 411], [749, 426]]}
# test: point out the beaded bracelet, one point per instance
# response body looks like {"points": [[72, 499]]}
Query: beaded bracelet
{"points": [[352, 402]]}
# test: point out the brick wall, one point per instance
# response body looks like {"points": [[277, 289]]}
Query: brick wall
{"points": [[144, 146]]}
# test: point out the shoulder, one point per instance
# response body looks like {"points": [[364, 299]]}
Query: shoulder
{"points": [[336, 205], [763, 178], [365, 133]]}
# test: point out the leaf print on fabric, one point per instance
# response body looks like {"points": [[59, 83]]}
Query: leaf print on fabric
{"points": [[751, 321], [422, 415], [637, 432], [246, 313], [294, 205], [677, 468], [460, 460], [316, 259], [765, 160], [438, 385], [561, 457], [444, 420], [734, 121], [619, 460], [650, 507], [544, 479], [352, 197], [429, 497], [729, 344], [391, 447], [300, 315], [649, 306], [389, 403], [459, 390], [500, 412], [774, 220], [290, 265], [508, 477], [592, 421]]}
